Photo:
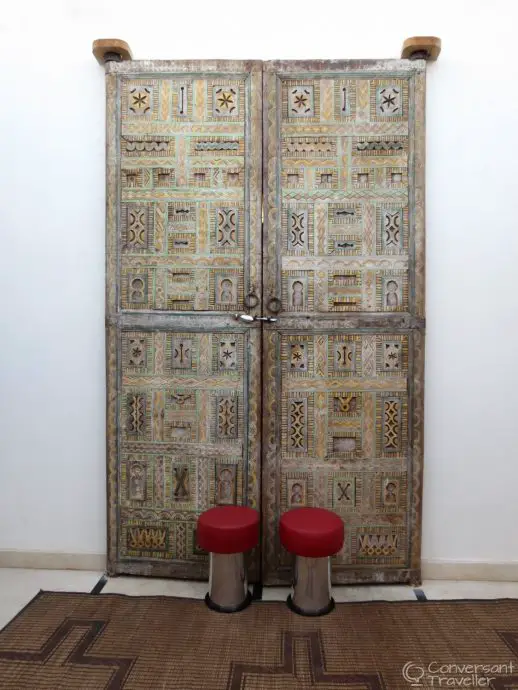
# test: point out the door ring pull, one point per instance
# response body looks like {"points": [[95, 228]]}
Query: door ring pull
{"points": [[251, 300], [274, 305]]}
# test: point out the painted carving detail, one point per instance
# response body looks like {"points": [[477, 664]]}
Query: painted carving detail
{"points": [[391, 356], [376, 545], [227, 417], [182, 353], [181, 483], [147, 538], [227, 227], [391, 425], [298, 425], [136, 416], [227, 354]]}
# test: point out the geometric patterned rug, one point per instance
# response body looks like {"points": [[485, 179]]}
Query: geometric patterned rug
{"points": [[67, 641]]}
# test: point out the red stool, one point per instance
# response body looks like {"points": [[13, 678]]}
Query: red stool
{"points": [[227, 532], [313, 535]]}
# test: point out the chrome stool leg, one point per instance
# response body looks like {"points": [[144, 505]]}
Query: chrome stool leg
{"points": [[228, 587], [311, 587]]}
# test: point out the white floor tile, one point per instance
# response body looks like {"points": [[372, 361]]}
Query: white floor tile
{"points": [[350, 593], [373, 593], [276, 593], [458, 589], [18, 586], [145, 586]]}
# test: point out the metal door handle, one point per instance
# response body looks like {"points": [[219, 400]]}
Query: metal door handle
{"points": [[248, 318], [274, 305]]}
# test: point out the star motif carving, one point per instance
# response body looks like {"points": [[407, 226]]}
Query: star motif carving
{"points": [[300, 101], [225, 100], [140, 100]]}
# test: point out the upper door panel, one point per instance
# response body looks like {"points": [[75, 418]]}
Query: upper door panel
{"points": [[340, 149], [186, 185]]}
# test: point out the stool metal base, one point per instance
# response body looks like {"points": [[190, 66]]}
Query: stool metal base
{"points": [[311, 587], [228, 609], [228, 588], [320, 612]]}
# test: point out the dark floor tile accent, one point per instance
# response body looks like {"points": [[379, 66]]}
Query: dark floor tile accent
{"points": [[99, 586], [257, 592], [420, 595]]}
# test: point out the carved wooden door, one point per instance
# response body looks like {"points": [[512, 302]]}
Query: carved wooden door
{"points": [[343, 262], [183, 256], [344, 273]]}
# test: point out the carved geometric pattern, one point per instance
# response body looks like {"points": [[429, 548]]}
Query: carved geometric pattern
{"points": [[227, 354], [298, 290], [390, 494], [391, 419], [227, 228], [344, 355], [223, 481], [308, 147], [226, 289], [297, 228], [137, 351], [345, 404], [379, 146], [135, 290], [391, 424], [344, 291], [344, 445], [298, 423], [392, 290], [301, 100], [296, 490], [392, 229], [345, 99], [379, 545], [137, 481], [225, 100], [227, 417], [297, 355], [297, 437], [344, 491], [147, 146], [389, 100], [137, 417], [182, 101], [181, 485], [139, 99], [146, 539], [392, 355], [226, 484], [182, 352]]}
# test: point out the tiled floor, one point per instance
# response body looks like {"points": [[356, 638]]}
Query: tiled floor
{"points": [[17, 587]]}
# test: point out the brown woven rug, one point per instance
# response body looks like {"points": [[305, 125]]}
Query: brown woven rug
{"points": [[64, 641]]}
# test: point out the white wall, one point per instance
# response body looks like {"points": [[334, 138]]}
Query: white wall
{"points": [[52, 480]]}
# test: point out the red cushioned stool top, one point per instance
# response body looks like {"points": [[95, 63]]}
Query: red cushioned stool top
{"points": [[228, 529], [311, 532]]}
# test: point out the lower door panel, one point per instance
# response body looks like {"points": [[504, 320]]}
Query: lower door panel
{"points": [[338, 434], [185, 412]]}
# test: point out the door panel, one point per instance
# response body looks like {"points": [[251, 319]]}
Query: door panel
{"points": [[183, 248], [343, 268]]}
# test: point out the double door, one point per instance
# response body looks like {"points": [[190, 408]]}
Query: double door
{"points": [[292, 193]]}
